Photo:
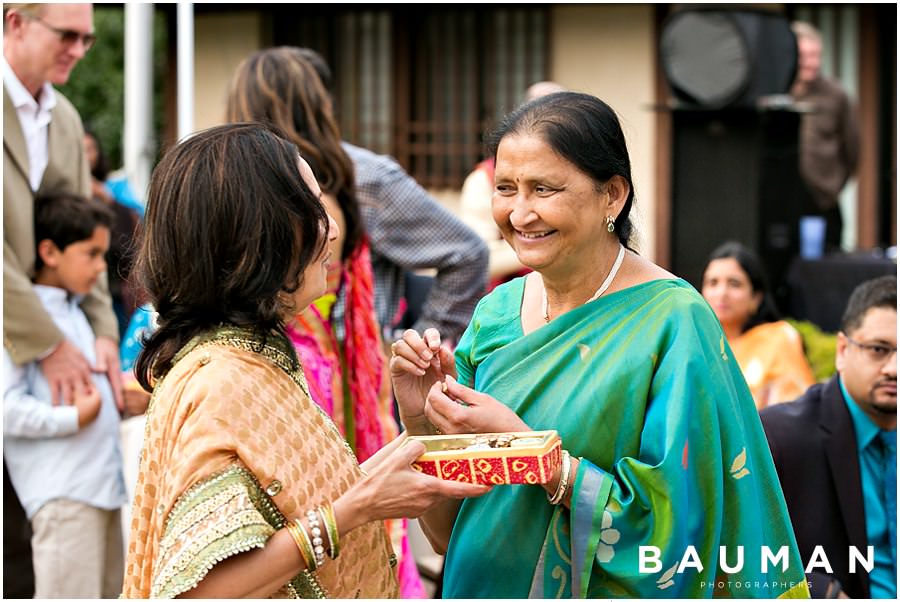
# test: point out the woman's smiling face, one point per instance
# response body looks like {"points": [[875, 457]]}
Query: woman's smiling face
{"points": [[549, 211]]}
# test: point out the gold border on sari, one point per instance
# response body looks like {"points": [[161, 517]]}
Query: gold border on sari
{"points": [[216, 518]]}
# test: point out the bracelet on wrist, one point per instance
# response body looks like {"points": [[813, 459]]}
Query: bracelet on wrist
{"points": [[331, 530], [315, 533], [563, 485], [299, 536]]}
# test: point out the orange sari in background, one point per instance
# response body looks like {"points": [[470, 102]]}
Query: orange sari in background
{"points": [[350, 381], [773, 362], [233, 446]]}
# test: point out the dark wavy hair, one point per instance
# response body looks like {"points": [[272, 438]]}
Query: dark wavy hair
{"points": [[281, 86], [583, 130], [230, 226], [751, 265], [65, 218]]}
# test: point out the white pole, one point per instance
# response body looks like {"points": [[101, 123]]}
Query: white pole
{"points": [[185, 69], [138, 143]]}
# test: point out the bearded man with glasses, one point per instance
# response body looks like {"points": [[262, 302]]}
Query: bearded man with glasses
{"points": [[43, 154], [835, 449]]}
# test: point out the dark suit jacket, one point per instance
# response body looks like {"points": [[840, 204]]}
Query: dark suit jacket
{"points": [[813, 444], [28, 330]]}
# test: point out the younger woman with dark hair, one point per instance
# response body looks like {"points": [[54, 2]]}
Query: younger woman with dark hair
{"points": [[343, 359], [768, 349], [245, 488]]}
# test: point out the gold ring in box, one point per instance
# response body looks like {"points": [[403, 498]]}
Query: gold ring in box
{"points": [[524, 458]]}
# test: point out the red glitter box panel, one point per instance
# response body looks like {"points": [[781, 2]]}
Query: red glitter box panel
{"points": [[491, 458]]}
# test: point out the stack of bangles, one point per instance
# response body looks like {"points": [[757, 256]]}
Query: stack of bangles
{"points": [[563, 486], [312, 548]]}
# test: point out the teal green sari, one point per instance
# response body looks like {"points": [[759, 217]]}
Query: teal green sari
{"points": [[641, 386]]}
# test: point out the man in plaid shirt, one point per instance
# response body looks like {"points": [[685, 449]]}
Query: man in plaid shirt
{"points": [[409, 230]]}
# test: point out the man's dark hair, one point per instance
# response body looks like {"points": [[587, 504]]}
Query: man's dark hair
{"points": [[65, 218], [880, 292]]}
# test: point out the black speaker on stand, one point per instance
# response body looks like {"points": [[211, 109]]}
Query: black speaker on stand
{"points": [[735, 177], [735, 131]]}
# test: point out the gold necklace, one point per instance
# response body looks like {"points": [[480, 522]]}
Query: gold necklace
{"points": [[545, 307]]}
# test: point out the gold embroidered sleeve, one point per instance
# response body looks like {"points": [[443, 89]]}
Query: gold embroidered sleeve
{"points": [[219, 517]]}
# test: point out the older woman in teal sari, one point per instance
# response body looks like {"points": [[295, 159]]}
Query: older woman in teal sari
{"points": [[667, 487]]}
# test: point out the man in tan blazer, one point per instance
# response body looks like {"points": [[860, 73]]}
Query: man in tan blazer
{"points": [[42, 44], [42, 153]]}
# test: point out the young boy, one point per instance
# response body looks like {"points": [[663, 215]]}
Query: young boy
{"points": [[64, 461]]}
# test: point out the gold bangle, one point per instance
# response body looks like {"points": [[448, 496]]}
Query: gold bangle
{"points": [[563, 485], [308, 543], [294, 531], [331, 530]]}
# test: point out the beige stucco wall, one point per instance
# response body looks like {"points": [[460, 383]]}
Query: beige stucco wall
{"points": [[602, 49], [607, 50], [221, 40]]}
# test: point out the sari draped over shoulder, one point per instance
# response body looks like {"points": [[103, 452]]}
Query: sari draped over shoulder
{"points": [[233, 447], [773, 362], [643, 388]]}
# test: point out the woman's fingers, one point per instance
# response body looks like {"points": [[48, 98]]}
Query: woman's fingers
{"points": [[445, 413], [389, 448], [413, 349], [400, 363], [409, 451], [412, 449], [458, 489], [432, 339], [448, 362], [456, 408]]}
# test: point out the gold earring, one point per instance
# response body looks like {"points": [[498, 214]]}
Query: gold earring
{"points": [[610, 224]]}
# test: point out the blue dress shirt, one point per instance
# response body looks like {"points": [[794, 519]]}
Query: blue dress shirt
{"points": [[872, 472]]}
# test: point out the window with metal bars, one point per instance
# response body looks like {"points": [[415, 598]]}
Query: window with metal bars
{"points": [[424, 84]]}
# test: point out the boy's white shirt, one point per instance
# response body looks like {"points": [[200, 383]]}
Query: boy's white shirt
{"points": [[48, 457]]}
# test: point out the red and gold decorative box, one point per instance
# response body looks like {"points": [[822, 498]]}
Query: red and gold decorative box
{"points": [[491, 458]]}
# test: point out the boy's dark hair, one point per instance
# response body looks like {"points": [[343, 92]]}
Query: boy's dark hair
{"points": [[66, 218], [879, 292]]}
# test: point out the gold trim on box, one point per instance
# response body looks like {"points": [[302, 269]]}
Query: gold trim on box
{"points": [[446, 458]]}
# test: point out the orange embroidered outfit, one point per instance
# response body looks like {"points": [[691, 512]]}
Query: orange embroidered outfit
{"points": [[234, 445], [773, 363], [348, 378]]}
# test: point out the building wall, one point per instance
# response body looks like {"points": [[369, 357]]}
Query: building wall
{"points": [[222, 40], [607, 51]]}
